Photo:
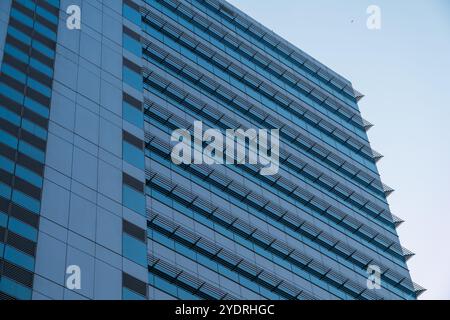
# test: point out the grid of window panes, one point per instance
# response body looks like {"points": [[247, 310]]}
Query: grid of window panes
{"points": [[25, 92], [309, 231]]}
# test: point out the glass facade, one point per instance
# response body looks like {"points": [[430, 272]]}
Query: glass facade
{"points": [[87, 178]]}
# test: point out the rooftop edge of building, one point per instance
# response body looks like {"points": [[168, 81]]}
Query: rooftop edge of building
{"points": [[231, 10]]}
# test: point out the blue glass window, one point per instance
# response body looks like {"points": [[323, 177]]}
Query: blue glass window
{"points": [[13, 72], [41, 67], [26, 201], [45, 31], [134, 250], [133, 155], [5, 191], [10, 116], [54, 3], [34, 129], [166, 286], [29, 176], [132, 15], [31, 151], [36, 107], [133, 199], [19, 35], [44, 49], [3, 219], [23, 18], [8, 139], [132, 115], [11, 93], [132, 45], [19, 258], [47, 15], [26, 3], [14, 289], [132, 78], [36, 85], [15, 52], [127, 294], [23, 229]]}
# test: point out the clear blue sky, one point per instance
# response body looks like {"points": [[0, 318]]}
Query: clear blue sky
{"points": [[404, 71]]}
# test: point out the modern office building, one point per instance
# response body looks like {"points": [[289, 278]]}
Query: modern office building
{"points": [[92, 205]]}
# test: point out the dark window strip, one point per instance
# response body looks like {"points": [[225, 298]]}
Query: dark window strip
{"points": [[41, 57], [35, 35], [30, 163], [16, 273], [13, 22], [133, 230], [131, 33], [132, 101], [128, 137], [24, 215], [36, 118], [7, 152], [132, 182], [21, 243], [9, 127], [6, 177], [41, 77], [13, 83], [10, 104], [42, 20], [11, 107], [19, 65], [134, 284], [32, 33], [25, 135], [131, 65], [39, 97], [131, 4], [23, 9], [22, 159], [18, 44], [4, 205], [17, 241], [46, 41], [4, 296], [16, 211], [47, 6], [27, 188], [32, 139]]}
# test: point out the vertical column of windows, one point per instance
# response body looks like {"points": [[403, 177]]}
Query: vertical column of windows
{"points": [[25, 91], [134, 236]]}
